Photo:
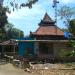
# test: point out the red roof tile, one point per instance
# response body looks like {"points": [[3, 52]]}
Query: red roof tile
{"points": [[48, 30], [47, 18]]}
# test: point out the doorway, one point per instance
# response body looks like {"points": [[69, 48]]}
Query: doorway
{"points": [[46, 48]]}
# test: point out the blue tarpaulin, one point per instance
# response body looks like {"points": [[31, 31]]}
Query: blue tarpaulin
{"points": [[66, 34], [25, 48]]}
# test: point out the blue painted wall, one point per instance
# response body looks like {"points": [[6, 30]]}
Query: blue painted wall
{"points": [[25, 48]]}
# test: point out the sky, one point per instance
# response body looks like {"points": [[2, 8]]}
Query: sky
{"points": [[27, 19]]}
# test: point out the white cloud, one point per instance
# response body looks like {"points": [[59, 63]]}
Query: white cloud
{"points": [[26, 12], [31, 17], [67, 1], [26, 16]]}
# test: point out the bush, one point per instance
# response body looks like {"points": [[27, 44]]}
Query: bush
{"points": [[66, 53]]}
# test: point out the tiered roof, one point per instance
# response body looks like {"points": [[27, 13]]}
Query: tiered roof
{"points": [[47, 18], [47, 27]]}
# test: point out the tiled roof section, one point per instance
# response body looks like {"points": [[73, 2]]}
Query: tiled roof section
{"points": [[48, 30], [47, 18], [47, 27], [9, 42]]}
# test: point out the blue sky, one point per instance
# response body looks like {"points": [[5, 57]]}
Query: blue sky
{"points": [[27, 19]]}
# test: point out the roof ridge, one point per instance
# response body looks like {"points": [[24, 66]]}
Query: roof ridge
{"points": [[47, 18]]}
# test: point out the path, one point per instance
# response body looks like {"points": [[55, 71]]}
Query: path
{"points": [[9, 69]]}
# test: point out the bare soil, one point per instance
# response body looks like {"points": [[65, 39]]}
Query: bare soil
{"points": [[54, 69], [9, 69], [39, 69]]}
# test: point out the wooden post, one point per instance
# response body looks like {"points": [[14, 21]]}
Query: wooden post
{"points": [[14, 50], [2, 54]]}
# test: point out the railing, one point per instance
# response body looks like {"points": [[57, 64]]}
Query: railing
{"points": [[10, 53], [45, 56]]}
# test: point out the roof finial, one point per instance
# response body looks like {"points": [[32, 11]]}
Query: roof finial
{"points": [[47, 18]]}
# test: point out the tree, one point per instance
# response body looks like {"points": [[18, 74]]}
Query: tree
{"points": [[2, 35], [72, 31], [72, 27], [16, 33], [1, 2], [64, 30], [3, 21], [72, 38], [17, 4], [12, 33], [7, 29], [3, 17], [66, 13]]}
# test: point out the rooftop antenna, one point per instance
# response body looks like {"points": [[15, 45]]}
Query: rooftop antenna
{"points": [[55, 2], [1, 2]]}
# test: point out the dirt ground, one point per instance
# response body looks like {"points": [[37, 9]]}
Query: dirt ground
{"points": [[54, 69], [55, 72], [39, 69], [9, 69]]}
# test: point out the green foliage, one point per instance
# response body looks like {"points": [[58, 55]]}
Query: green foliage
{"points": [[72, 27], [16, 33], [66, 13], [63, 53], [64, 29], [72, 43], [2, 35], [9, 32], [29, 3], [12, 32], [72, 31], [3, 21], [18, 4], [66, 53], [3, 17]]}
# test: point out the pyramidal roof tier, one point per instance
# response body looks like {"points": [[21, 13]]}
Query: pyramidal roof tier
{"points": [[46, 20], [48, 28]]}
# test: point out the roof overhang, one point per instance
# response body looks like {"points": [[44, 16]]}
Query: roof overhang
{"points": [[9, 42], [42, 40]]}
